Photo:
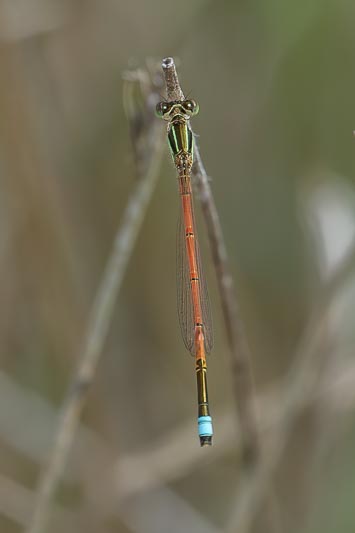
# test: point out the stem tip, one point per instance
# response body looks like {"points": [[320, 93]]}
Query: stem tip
{"points": [[168, 62]]}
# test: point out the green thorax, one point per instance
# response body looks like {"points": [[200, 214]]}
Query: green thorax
{"points": [[180, 138]]}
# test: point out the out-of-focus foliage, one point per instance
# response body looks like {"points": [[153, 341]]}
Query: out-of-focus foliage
{"points": [[276, 83]]}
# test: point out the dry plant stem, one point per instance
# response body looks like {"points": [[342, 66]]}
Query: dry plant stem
{"points": [[300, 385], [240, 360], [98, 326]]}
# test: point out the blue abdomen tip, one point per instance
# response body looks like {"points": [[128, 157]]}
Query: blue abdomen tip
{"points": [[205, 428]]}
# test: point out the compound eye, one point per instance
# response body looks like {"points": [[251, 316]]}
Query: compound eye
{"points": [[191, 107], [161, 109]]}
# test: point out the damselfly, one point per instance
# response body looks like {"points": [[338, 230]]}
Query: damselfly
{"points": [[193, 303]]}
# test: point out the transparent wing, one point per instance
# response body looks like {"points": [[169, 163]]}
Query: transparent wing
{"points": [[183, 286], [184, 296], [205, 302]]}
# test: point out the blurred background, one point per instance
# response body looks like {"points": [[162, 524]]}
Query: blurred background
{"points": [[276, 84]]}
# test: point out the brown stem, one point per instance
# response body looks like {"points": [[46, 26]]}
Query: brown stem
{"points": [[240, 356], [98, 326]]}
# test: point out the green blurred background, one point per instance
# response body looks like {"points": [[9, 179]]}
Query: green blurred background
{"points": [[276, 85]]}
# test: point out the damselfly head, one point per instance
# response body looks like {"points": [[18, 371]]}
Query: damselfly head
{"points": [[171, 111]]}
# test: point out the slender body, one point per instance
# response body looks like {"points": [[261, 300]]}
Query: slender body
{"points": [[193, 303]]}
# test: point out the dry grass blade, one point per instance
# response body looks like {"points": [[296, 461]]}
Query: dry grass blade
{"points": [[240, 360], [97, 329], [300, 385]]}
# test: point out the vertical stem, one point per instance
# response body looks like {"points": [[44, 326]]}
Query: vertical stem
{"points": [[240, 356], [98, 326]]}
